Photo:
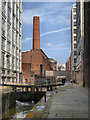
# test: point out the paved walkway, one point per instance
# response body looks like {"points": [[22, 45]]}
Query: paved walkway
{"points": [[70, 101]]}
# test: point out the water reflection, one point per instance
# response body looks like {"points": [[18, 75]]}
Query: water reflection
{"points": [[19, 111]]}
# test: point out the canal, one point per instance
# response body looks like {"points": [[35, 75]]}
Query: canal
{"points": [[17, 105], [20, 110]]}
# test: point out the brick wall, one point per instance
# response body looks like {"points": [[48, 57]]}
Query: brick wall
{"points": [[32, 60]]}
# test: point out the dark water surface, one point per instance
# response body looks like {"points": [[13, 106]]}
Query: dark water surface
{"points": [[20, 110]]}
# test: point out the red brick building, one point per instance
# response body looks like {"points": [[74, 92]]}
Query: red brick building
{"points": [[68, 64], [53, 64], [68, 67], [35, 61]]}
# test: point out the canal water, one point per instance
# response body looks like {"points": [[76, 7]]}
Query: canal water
{"points": [[20, 110]]}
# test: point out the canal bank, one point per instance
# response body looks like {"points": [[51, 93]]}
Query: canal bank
{"points": [[68, 101], [39, 108]]}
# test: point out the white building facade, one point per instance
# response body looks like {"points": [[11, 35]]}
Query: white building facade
{"points": [[73, 40], [10, 41]]}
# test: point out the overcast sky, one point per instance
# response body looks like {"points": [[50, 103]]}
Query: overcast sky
{"points": [[55, 31]]}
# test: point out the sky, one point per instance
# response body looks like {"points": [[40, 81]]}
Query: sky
{"points": [[55, 28]]}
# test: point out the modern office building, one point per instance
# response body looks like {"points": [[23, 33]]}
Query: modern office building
{"points": [[10, 41], [73, 41]]}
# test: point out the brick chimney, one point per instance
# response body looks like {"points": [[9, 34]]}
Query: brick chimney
{"points": [[36, 33]]}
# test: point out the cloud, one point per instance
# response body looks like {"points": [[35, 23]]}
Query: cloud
{"points": [[49, 44], [26, 39], [60, 30], [49, 13], [57, 48], [69, 51], [60, 46], [50, 32], [50, 0]]}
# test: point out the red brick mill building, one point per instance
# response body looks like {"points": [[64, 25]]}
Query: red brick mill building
{"points": [[35, 61]]}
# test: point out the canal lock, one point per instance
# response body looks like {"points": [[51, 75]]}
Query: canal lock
{"points": [[18, 104]]}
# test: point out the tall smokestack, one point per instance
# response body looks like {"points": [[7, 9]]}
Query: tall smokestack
{"points": [[36, 33]]}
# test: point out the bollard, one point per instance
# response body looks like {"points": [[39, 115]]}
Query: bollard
{"points": [[47, 88], [45, 98], [37, 89], [51, 89]]}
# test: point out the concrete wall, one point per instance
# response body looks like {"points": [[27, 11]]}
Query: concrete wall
{"points": [[8, 101], [86, 44]]}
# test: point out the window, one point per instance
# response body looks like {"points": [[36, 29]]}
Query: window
{"points": [[74, 9], [12, 62], [17, 55], [19, 16], [3, 26], [8, 59], [3, 71], [3, 59], [8, 79], [41, 69], [3, 80], [3, 43], [13, 22], [16, 24], [20, 28], [12, 50], [19, 65], [75, 52], [8, 32], [3, 7], [75, 31], [30, 67], [20, 4], [9, 3], [9, 14], [13, 7], [17, 11], [74, 23], [16, 38], [74, 16], [8, 72], [74, 60], [19, 41], [20, 54], [13, 36], [75, 45], [8, 46], [75, 38]]}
